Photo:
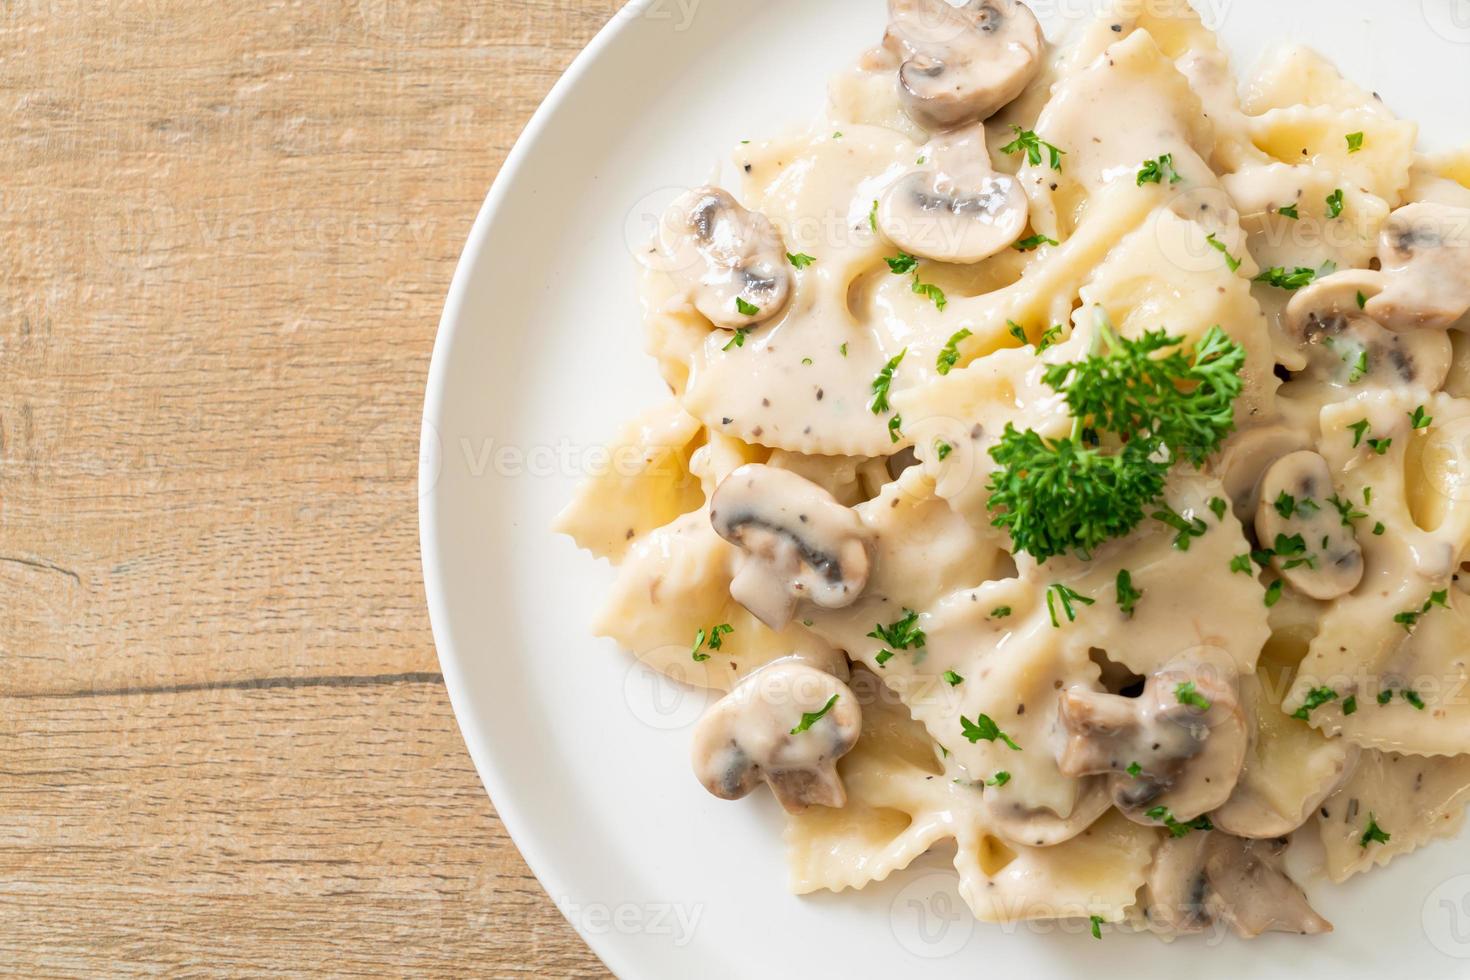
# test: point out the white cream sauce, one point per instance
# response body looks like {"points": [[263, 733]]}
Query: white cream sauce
{"points": [[888, 358]]}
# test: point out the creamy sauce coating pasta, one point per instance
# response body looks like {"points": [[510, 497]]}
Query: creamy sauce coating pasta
{"points": [[1129, 731]]}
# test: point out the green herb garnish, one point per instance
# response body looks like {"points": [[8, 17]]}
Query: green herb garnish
{"points": [[1374, 834], [1065, 495], [1334, 204], [1058, 592], [810, 718], [1187, 694], [949, 356], [1178, 828], [1028, 142], [985, 730], [902, 264], [879, 402], [1316, 697], [1128, 596], [1033, 243], [1154, 171], [1224, 250]]}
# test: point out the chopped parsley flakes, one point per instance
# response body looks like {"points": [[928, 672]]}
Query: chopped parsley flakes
{"points": [[949, 356], [1334, 204], [1128, 596], [1155, 171], [1059, 592], [984, 729], [1374, 834], [1033, 243], [1316, 697], [810, 718], [879, 403], [1188, 694], [1028, 142], [1224, 250], [1177, 828], [1290, 280]]}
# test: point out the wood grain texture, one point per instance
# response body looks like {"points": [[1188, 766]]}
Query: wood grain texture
{"points": [[226, 231]]}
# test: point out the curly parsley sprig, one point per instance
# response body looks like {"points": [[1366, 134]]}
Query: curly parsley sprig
{"points": [[1157, 404]]}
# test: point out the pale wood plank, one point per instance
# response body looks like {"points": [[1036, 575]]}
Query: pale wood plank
{"points": [[226, 230], [334, 826]]}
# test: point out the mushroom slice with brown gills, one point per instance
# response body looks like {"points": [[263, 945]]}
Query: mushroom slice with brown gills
{"points": [[1314, 545], [731, 262], [1207, 877], [1344, 346], [962, 64], [799, 543], [1246, 456], [956, 208], [1425, 253], [787, 724], [1180, 745]]}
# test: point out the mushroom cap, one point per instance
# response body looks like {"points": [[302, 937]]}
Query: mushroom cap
{"points": [[1289, 771], [1331, 296], [962, 64], [955, 208], [1294, 503], [756, 733], [799, 542], [1424, 279], [1246, 456], [1334, 341], [1424, 249], [729, 260], [1211, 876], [1185, 757]]}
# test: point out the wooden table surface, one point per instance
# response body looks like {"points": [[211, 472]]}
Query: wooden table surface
{"points": [[226, 233]]}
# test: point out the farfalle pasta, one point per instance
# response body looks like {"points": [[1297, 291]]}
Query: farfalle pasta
{"points": [[1065, 460]]}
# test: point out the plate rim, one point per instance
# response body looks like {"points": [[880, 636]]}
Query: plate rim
{"points": [[493, 781]]}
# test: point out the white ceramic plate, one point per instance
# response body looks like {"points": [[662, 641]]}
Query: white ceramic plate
{"points": [[539, 356]]}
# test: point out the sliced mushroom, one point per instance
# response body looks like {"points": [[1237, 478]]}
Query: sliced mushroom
{"points": [[1315, 546], [787, 724], [955, 208], [1290, 769], [730, 261], [1342, 294], [1180, 745], [1347, 348], [1425, 253], [962, 64], [1246, 456], [799, 543], [1206, 877], [1423, 279]]}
